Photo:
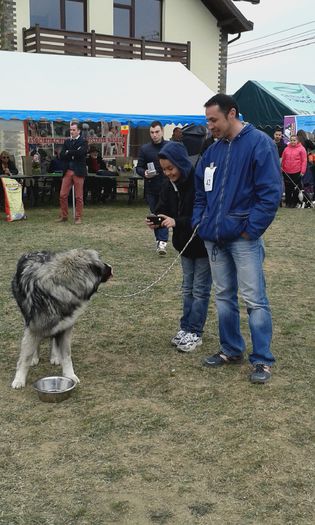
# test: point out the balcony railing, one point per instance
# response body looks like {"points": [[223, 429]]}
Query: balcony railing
{"points": [[39, 40]]}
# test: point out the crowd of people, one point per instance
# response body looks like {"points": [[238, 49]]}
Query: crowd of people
{"points": [[231, 198], [297, 171], [218, 207]]}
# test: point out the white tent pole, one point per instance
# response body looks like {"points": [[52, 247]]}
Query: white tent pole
{"points": [[73, 202]]}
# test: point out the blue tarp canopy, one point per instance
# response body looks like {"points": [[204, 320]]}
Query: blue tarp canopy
{"points": [[135, 92]]}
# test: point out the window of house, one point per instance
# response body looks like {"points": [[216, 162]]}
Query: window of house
{"points": [[138, 18], [122, 20], [59, 14], [74, 15]]}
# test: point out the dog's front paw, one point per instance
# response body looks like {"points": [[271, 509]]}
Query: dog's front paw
{"points": [[73, 377], [55, 360], [18, 383], [35, 360], [55, 357]]}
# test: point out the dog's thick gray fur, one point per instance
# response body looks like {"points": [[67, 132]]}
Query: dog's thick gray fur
{"points": [[52, 290]]}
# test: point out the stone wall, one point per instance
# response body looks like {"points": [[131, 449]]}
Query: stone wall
{"points": [[8, 40], [223, 51]]}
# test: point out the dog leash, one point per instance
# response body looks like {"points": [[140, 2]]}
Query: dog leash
{"points": [[149, 286], [296, 187]]}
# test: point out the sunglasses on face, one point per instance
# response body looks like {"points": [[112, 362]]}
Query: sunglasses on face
{"points": [[3, 158]]}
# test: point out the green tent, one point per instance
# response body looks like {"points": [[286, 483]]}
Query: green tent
{"points": [[264, 103]]}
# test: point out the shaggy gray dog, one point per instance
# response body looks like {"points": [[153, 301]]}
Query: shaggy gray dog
{"points": [[52, 290]]}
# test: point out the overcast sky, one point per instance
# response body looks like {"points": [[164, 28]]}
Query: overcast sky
{"points": [[273, 16]]}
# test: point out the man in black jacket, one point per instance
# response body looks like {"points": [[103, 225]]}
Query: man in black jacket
{"points": [[175, 206], [278, 140], [149, 168], [73, 154]]}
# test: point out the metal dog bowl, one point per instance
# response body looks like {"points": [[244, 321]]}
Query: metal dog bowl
{"points": [[54, 389]]}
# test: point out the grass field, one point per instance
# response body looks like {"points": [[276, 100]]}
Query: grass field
{"points": [[136, 443]]}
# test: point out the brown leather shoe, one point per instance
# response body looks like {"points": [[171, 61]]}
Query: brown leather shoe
{"points": [[78, 221], [62, 219]]}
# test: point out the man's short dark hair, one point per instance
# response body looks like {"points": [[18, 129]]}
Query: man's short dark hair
{"points": [[75, 123], [156, 123], [225, 103]]}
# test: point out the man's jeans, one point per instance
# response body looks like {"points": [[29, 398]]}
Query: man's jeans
{"points": [[196, 293], [161, 234], [239, 264]]}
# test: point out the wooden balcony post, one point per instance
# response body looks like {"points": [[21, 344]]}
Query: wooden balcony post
{"points": [[93, 43], [37, 38], [188, 53], [23, 33], [142, 48]]}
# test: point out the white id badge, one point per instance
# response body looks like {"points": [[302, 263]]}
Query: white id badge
{"points": [[208, 177]]}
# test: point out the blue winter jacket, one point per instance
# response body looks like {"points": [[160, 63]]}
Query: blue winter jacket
{"points": [[246, 190]]}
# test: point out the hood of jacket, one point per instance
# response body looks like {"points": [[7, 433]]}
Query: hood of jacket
{"points": [[177, 154], [295, 146]]}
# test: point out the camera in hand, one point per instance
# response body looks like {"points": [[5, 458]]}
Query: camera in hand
{"points": [[155, 219]]}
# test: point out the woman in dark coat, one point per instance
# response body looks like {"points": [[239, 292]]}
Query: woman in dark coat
{"points": [[7, 166]]}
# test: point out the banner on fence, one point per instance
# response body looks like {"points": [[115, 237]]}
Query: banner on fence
{"points": [[13, 204]]}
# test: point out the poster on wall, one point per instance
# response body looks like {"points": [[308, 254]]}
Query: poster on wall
{"points": [[46, 138], [292, 123]]}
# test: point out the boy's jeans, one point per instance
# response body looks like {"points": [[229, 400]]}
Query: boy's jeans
{"points": [[196, 293], [161, 234], [238, 264]]}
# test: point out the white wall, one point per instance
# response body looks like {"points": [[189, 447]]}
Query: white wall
{"points": [[100, 16], [22, 20], [185, 20]]}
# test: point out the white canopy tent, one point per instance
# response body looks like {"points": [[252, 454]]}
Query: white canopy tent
{"points": [[134, 92]]}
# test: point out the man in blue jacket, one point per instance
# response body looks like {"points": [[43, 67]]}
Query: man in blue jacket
{"points": [[238, 190]]}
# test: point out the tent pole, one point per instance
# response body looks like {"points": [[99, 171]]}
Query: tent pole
{"points": [[128, 140], [73, 202]]}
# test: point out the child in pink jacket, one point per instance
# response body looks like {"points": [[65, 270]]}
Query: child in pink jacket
{"points": [[294, 164]]}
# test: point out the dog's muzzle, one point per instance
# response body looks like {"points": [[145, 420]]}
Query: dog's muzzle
{"points": [[107, 273]]}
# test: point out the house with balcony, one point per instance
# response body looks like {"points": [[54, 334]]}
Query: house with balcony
{"points": [[194, 33]]}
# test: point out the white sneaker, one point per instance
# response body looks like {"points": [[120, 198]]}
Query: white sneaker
{"points": [[178, 337], [161, 247], [189, 342]]}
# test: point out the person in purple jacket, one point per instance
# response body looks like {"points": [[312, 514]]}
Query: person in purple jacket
{"points": [[238, 190]]}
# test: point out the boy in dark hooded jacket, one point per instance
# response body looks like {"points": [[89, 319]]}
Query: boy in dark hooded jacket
{"points": [[175, 206]]}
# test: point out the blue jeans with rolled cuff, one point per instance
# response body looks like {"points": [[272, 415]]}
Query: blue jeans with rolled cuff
{"points": [[196, 288], [239, 265]]}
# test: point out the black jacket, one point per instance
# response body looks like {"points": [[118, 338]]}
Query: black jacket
{"points": [[149, 153], [74, 156], [12, 167], [281, 147], [177, 199]]}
